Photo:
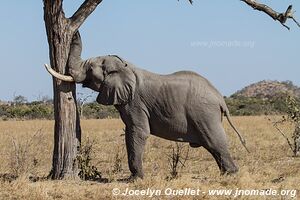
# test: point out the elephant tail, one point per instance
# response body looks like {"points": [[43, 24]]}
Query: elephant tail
{"points": [[243, 141]]}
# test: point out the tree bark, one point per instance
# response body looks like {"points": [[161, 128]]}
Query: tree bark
{"points": [[67, 131]]}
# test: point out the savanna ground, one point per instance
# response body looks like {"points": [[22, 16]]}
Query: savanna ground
{"points": [[26, 149]]}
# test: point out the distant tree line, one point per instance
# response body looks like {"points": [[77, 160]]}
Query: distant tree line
{"points": [[21, 109], [245, 106]]}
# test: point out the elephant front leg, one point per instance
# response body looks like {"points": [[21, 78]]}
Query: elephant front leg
{"points": [[135, 144]]}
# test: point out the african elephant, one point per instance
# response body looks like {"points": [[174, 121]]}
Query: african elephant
{"points": [[182, 106]]}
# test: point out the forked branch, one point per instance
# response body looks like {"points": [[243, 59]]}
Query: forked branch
{"points": [[83, 12], [275, 124], [281, 17], [89, 6]]}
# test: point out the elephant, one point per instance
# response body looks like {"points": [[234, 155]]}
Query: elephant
{"points": [[182, 107]]}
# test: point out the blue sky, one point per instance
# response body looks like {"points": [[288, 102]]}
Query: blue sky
{"points": [[226, 41]]}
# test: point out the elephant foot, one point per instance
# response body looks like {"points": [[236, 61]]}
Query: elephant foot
{"points": [[132, 178], [229, 172], [225, 163], [228, 167]]}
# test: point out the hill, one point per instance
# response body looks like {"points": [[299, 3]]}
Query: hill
{"points": [[268, 89], [264, 97]]}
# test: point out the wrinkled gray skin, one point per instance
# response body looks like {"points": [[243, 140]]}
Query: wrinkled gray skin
{"points": [[182, 106]]}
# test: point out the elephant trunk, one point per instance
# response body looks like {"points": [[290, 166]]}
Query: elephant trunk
{"points": [[77, 66]]}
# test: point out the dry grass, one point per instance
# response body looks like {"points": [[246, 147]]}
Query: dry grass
{"points": [[269, 165]]}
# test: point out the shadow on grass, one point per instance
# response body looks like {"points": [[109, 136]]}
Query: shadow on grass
{"points": [[8, 177]]}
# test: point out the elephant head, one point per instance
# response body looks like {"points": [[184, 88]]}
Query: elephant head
{"points": [[112, 77]]}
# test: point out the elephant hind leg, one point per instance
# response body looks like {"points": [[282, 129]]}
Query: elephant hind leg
{"points": [[224, 161], [216, 144]]}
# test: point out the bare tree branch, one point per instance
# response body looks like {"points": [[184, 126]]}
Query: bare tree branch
{"points": [[275, 124], [191, 1], [83, 12], [283, 134], [281, 17]]}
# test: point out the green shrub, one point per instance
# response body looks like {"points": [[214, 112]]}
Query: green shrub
{"points": [[41, 110], [239, 105], [247, 106], [97, 111], [27, 111], [87, 171]]}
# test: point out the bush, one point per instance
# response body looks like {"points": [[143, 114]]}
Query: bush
{"points": [[247, 106], [87, 171], [177, 159], [27, 111], [97, 111], [23, 161], [239, 105], [291, 115], [41, 110]]}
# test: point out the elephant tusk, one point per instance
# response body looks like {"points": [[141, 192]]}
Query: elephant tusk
{"points": [[58, 75]]}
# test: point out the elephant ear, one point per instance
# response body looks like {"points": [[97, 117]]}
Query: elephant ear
{"points": [[118, 86]]}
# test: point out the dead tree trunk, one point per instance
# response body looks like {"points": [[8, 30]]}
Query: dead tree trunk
{"points": [[67, 131]]}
